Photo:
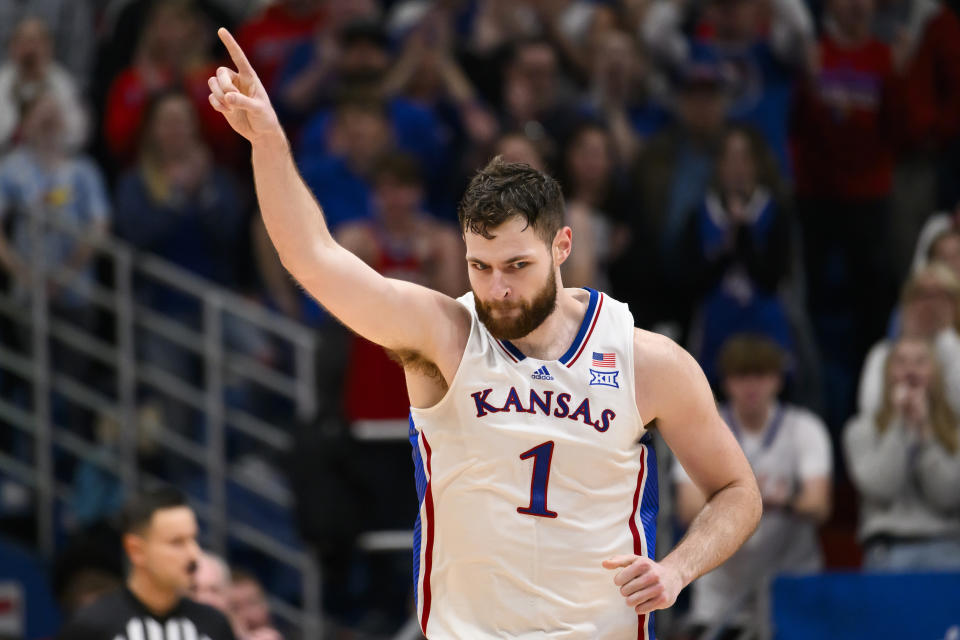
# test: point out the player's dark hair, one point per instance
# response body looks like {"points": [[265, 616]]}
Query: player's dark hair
{"points": [[138, 512], [502, 190], [750, 354]]}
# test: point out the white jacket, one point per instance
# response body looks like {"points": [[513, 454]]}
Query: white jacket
{"points": [[63, 88]]}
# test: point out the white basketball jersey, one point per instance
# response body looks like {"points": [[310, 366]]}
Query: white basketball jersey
{"points": [[530, 473]]}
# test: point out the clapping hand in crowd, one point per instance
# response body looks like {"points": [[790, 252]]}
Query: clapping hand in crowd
{"points": [[911, 402]]}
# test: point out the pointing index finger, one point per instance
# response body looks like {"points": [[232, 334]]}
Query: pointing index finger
{"points": [[236, 53]]}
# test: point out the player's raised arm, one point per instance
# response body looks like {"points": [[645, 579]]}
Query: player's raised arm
{"points": [[395, 314], [672, 388]]}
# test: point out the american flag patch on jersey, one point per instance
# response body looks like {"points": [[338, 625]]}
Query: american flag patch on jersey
{"points": [[604, 359]]}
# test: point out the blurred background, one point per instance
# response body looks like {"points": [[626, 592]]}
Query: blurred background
{"points": [[775, 184]]}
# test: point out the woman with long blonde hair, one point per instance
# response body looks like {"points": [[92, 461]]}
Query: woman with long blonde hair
{"points": [[905, 461], [929, 310]]}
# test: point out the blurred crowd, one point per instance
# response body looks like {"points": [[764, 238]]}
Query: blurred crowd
{"points": [[773, 183]]}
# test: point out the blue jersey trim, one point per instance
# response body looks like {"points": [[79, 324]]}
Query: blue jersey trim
{"points": [[649, 507], [584, 326], [421, 480], [650, 502], [512, 348]]}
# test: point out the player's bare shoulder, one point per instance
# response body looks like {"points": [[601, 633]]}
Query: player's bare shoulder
{"points": [[655, 354], [663, 371]]}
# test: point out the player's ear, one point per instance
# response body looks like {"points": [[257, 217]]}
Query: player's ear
{"points": [[562, 245]]}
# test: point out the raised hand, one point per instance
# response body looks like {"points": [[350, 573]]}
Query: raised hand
{"points": [[240, 97], [917, 409]]}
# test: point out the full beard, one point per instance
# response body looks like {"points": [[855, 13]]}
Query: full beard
{"points": [[532, 314]]}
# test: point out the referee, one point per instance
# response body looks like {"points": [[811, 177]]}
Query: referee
{"points": [[160, 540]]}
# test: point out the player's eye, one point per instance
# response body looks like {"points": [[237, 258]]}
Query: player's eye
{"points": [[520, 265], [478, 267]]}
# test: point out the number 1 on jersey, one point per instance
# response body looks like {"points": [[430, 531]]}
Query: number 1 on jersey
{"points": [[542, 455]]}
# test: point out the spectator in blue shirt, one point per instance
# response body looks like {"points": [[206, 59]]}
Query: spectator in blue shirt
{"points": [[362, 62], [45, 184], [429, 75], [671, 176], [358, 137], [178, 204], [619, 96], [43, 179], [761, 60], [737, 252]]}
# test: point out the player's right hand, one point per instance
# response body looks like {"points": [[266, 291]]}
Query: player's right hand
{"points": [[240, 97], [645, 585]]}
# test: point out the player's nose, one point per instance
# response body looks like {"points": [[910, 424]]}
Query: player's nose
{"points": [[499, 289]]}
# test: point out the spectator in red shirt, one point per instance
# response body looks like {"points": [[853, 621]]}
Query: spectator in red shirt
{"points": [[172, 52], [925, 44], [846, 112], [925, 40], [403, 242], [845, 131], [270, 37]]}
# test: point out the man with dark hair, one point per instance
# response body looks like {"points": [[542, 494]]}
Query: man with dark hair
{"points": [[160, 541], [515, 388]]}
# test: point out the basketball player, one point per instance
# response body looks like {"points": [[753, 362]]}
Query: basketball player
{"points": [[528, 409]]}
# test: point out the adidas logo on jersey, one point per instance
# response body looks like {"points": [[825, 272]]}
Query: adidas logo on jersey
{"points": [[542, 374]]}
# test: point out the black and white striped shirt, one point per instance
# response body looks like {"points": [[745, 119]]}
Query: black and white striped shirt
{"points": [[121, 616]]}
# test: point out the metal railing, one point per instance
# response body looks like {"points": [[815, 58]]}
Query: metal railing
{"points": [[223, 365]]}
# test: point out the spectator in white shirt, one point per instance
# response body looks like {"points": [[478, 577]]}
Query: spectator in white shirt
{"points": [[29, 72], [905, 461], [929, 310], [789, 450]]}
